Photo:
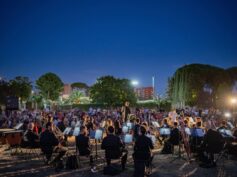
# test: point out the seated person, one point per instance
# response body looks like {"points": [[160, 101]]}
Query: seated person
{"points": [[142, 153], [213, 143], [83, 146], [114, 148], [175, 136], [195, 140], [48, 142], [174, 139], [31, 138]]}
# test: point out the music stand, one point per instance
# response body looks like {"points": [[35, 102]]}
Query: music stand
{"points": [[92, 134], [128, 139], [199, 132], [153, 138], [125, 129], [165, 131], [18, 126], [225, 133], [67, 131], [188, 131], [155, 124], [76, 131], [129, 125], [98, 136]]}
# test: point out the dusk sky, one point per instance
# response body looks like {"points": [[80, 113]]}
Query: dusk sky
{"points": [[82, 40]]}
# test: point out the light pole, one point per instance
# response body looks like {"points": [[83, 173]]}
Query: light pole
{"points": [[153, 88]]}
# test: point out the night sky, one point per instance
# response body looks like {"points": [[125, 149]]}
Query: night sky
{"points": [[82, 40]]}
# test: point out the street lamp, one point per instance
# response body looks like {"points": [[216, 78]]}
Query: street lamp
{"points": [[134, 82]]}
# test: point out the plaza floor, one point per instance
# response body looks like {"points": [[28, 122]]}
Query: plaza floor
{"points": [[18, 165]]}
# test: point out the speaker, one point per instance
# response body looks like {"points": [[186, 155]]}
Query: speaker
{"points": [[12, 103]]}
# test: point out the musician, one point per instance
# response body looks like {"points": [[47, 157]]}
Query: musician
{"points": [[114, 148], [137, 128], [84, 147], [223, 126], [142, 153], [48, 142], [213, 143], [125, 111], [165, 124], [31, 137], [61, 125], [175, 135], [118, 128], [195, 139]]}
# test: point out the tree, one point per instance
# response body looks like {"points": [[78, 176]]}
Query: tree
{"points": [[4, 91], [20, 87], [50, 86], [112, 91], [75, 97], [199, 85]]}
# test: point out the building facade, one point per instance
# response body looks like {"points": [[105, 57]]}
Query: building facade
{"points": [[144, 93]]}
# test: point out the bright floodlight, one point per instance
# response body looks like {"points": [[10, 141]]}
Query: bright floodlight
{"points": [[134, 82], [227, 115], [233, 100]]}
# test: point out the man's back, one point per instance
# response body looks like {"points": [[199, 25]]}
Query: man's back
{"points": [[142, 148], [112, 146], [83, 145], [47, 138], [31, 137]]}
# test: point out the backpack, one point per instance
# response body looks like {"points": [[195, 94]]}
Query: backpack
{"points": [[71, 162]]}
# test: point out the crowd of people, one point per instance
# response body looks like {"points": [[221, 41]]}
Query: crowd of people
{"points": [[200, 132]]}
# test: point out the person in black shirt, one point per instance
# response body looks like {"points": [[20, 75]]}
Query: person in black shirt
{"points": [[31, 137], [48, 142], [114, 148], [137, 128], [175, 136], [61, 125], [212, 143], [83, 146], [125, 111], [142, 153], [118, 128]]}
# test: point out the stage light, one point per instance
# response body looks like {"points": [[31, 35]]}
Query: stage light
{"points": [[233, 100], [227, 115]]}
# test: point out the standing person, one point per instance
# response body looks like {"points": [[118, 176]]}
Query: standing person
{"points": [[137, 128], [125, 111]]}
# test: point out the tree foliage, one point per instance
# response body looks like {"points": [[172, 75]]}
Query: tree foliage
{"points": [[20, 87], [79, 85], [112, 91], [50, 86], [75, 97], [200, 85]]}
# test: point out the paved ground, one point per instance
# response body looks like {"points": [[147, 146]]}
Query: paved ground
{"points": [[16, 165]]}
